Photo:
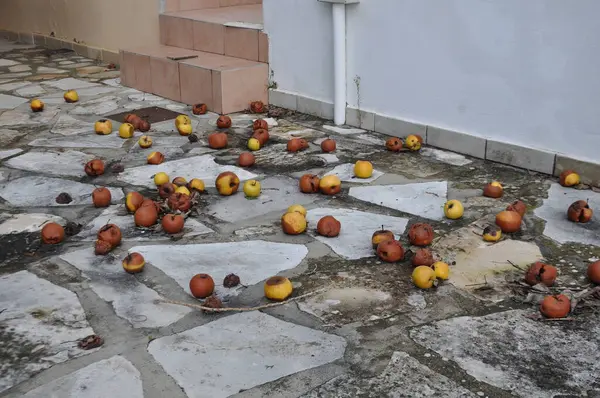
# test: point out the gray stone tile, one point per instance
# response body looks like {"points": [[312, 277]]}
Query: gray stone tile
{"points": [[283, 99], [315, 107], [523, 157], [456, 142], [588, 171], [26, 38], [367, 119], [397, 127]]}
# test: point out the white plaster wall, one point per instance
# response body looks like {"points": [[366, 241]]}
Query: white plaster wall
{"points": [[523, 72]]}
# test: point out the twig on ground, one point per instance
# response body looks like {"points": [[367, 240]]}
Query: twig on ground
{"points": [[238, 309], [582, 295], [516, 266]]}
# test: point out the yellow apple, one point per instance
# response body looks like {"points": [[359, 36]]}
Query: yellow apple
{"points": [[412, 142], [184, 129], [126, 130], [252, 188], [227, 183], [183, 190], [363, 169], [196, 184], [441, 270], [293, 223], [253, 144], [71, 96], [145, 141], [161, 178], [453, 209], [182, 119], [569, 178], [103, 127], [423, 277], [36, 105], [278, 288], [298, 208], [330, 185]]}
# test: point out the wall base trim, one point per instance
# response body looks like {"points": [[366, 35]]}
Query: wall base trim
{"points": [[56, 43], [467, 144]]}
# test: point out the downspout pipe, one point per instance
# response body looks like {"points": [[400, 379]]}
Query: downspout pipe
{"points": [[339, 58]]}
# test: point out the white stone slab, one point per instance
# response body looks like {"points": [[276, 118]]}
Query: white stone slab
{"points": [[404, 376], [7, 62], [42, 191], [48, 318], [87, 140], [346, 173], [271, 122], [507, 350], [354, 240], [145, 97], [113, 82], [32, 90], [132, 300], [253, 261], [15, 75], [118, 215], [13, 86], [45, 69], [66, 62], [425, 199], [68, 163], [70, 83], [19, 68], [3, 81], [10, 101], [344, 130], [558, 227], [114, 377], [328, 157], [278, 193], [25, 222], [98, 106], [203, 167], [371, 139], [265, 348], [452, 158], [9, 152], [20, 117]]}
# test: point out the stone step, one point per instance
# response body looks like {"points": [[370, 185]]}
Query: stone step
{"points": [[235, 31], [184, 5], [225, 84]]}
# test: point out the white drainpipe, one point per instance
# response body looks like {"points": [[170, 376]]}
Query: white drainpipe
{"points": [[339, 58]]}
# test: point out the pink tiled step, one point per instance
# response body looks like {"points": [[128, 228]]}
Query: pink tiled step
{"points": [[235, 31], [225, 84], [183, 5]]}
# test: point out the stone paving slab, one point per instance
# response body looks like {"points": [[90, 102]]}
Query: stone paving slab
{"points": [[346, 174], [114, 377], [425, 199], [515, 353], [354, 241], [403, 377], [253, 261], [37, 329], [10, 101], [131, 299], [26, 222], [90, 140], [68, 163], [262, 349], [42, 191]]}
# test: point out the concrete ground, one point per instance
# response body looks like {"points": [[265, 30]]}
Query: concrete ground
{"points": [[369, 333]]}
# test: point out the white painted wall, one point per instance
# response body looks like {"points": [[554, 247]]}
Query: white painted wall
{"points": [[523, 72]]}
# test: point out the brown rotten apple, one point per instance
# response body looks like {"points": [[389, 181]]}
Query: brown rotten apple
{"points": [[260, 124], [179, 202], [145, 216], [134, 263], [246, 159], [541, 273], [133, 201], [224, 122], [394, 144], [202, 285], [509, 221], [569, 178], [227, 183], [519, 207], [173, 223], [217, 140], [110, 233], [94, 168], [390, 251], [261, 135], [155, 158], [53, 233], [199, 109], [309, 183], [493, 190], [257, 107], [102, 247], [329, 226], [297, 144], [380, 236], [328, 145], [420, 234], [422, 257], [101, 197], [593, 272], [580, 212], [167, 189], [557, 306]]}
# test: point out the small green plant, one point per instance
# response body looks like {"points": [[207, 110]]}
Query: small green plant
{"points": [[272, 82]]}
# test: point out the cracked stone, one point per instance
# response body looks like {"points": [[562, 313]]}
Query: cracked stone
{"points": [[274, 349], [70, 83], [30, 91], [9, 152], [10, 101], [19, 68], [13, 86], [89, 140]]}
